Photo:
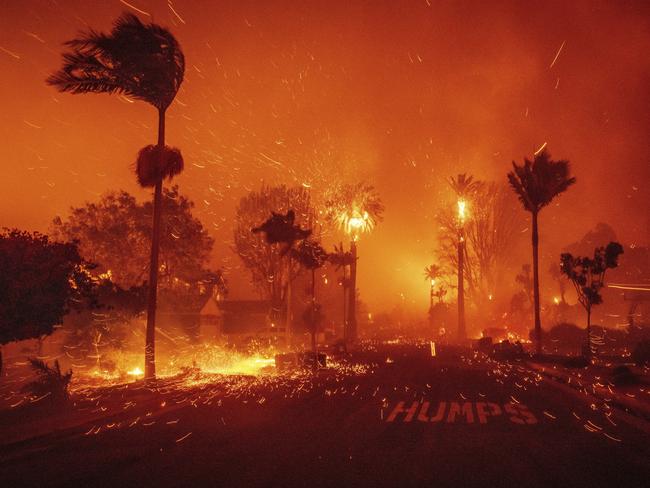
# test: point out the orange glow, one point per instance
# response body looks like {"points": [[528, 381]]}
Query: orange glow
{"points": [[337, 92], [462, 213], [355, 222]]}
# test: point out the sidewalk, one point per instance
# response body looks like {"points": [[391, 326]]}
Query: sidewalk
{"points": [[596, 381]]}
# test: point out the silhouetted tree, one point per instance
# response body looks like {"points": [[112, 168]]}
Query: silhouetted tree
{"points": [[145, 62], [311, 256], [272, 269], [114, 233], [537, 183], [588, 277], [50, 381], [342, 260], [39, 283]]}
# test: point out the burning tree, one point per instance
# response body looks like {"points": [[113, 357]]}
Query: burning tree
{"points": [[39, 283], [490, 235], [433, 274], [588, 277], [355, 209], [145, 62], [342, 260], [270, 265], [537, 183]]}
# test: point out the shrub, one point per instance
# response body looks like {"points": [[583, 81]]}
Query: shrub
{"points": [[50, 381], [622, 375], [641, 353]]}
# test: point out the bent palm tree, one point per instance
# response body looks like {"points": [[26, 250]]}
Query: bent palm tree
{"points": [[536, 183], [144, 62]]}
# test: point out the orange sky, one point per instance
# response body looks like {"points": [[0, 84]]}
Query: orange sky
{"points": [[403, 93]]}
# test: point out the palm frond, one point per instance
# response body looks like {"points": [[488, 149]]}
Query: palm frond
{"points": [[155, 163], [464, 186], [142, 61], [539, 181]]}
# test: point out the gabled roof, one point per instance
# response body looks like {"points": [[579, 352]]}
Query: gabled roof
{"points": [[220, 307]]}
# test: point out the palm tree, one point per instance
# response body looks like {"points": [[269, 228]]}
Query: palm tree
{"points": [[282, 229], [463, 186], [431, 274], [144, 62], [311, 255], [536, 183], [356, 209], [342, 259]]}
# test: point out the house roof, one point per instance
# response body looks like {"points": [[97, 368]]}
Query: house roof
{"points": [[220, 307]]}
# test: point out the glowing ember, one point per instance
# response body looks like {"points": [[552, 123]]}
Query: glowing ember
{"points": [[135, 372]]}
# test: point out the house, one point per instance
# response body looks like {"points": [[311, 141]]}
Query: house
{"points": [[219, 318]]}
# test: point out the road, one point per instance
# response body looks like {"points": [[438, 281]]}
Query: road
{"points": [[485, 424]]}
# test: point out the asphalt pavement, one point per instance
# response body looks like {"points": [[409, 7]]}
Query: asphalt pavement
{"points": [[390, 416]]}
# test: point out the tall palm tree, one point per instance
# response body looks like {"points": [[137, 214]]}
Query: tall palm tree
{"points": [[342, 259], [144, 62], [356, 209], [537, 183], [463, 186]]}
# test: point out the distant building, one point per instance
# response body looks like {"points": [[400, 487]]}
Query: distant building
{"points": [[227, 318]]}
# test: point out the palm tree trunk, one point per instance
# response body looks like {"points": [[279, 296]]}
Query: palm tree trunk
{"points": [[345, 306], [150, 341], [313, 314], [462, 333], [0, 360], [288, 322], [352, 306], [588, 348], [538, 323], [431, 308]]}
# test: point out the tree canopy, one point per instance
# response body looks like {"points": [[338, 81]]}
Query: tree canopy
{"points": [[39, 283], [115, 233], [537, 182], [142, 61], [264, 260]]}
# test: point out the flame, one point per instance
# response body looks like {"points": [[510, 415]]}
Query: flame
{"points": [[355, 222], [135, 372], [462, 210]]}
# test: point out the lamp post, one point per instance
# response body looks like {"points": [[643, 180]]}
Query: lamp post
{"points": [[462, 334]]}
